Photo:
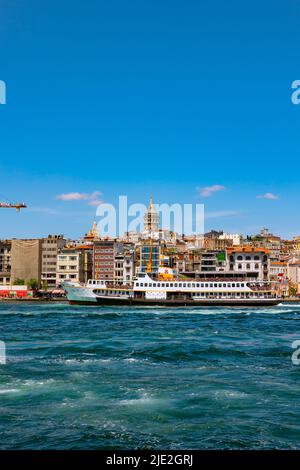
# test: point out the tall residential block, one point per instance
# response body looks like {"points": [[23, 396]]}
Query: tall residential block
{"points": [[26, 260]]}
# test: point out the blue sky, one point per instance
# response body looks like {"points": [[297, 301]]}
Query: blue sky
{"points": [[162, 97]]}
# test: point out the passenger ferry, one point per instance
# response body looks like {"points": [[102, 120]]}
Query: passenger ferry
{"points": [[176, 292]]}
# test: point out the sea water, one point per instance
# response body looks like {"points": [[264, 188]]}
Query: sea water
{"points": [[140, 378]]}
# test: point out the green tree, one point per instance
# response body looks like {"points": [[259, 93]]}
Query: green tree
{"points": [[33, 284], [19, 282], [293, 291], [45, 286]]}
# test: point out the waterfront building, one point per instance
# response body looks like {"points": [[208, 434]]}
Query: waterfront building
{"points": [[50, 248], [294, 275], [104, 259], [279, 275], [124, 265], [5, 262], [26, 259], [74, 263], [213, 261], [249, 259], [150, 257]]}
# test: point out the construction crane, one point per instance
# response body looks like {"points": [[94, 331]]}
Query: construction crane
{"points": [[17, 205]]}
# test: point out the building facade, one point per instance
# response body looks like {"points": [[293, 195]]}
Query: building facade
{"points": [[50, 248], [74, 264], [5, 262], [26, 260], [249, 259]]}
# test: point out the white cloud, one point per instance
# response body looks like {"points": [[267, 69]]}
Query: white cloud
{"points": [[95, 202], [269, 196], [93, 198], [207, 191], [212, 215]]}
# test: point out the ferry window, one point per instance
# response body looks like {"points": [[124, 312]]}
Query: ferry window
{"points": [[193, 285], [171, 284], [238, 284], [220, 285], [137, 284], [146, 284], [180, 284], [163, 284], [242, 285], [150, 284], [215, 285], [175, 285], [233, 284], [224, 285], [211, 285], [229, 285], [184, 285], [158, 284], [206, 285]]}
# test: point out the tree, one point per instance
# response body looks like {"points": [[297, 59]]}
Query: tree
{"points": [[33, 284], [293, 291], [19, 282], [45, 286]]}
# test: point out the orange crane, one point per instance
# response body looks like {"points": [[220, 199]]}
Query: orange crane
{"points": [[149, 264], [17, 205]]}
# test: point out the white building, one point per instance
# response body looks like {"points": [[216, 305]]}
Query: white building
{"points": [[250, 260], [294, 275], [74, 264], [235, 237], [124, 267]]}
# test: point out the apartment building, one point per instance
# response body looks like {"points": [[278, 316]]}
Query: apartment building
{"points": [[74, 264], [50, 248], [26, 260], [5, 262], [249, 259]]}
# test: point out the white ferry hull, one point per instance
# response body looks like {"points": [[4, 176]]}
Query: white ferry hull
{"points": [[78, 295]]}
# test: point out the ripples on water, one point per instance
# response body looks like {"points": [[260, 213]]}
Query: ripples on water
{"points": [[119, 378]]}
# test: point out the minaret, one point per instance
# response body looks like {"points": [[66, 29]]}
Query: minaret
{"points": [[151, 218]]}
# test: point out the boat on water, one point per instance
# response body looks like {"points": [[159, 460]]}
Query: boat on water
{"points": [[146, 290]]}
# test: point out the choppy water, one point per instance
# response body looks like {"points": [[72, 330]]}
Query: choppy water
{"points": [[90, 378]]}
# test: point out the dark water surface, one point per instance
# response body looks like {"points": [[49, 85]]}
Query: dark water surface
{"points": [[119, 378]]}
